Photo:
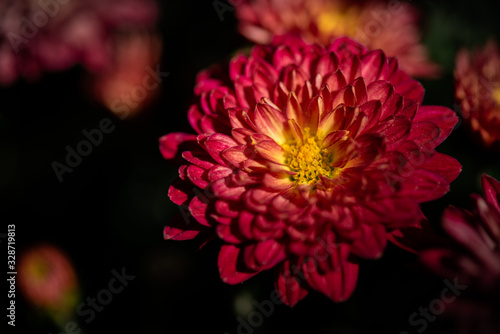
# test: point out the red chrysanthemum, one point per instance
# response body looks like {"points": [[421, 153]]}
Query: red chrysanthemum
{"points": [[305, 159], [54, 35], [473, 258], [388, 25], [477, 90]]}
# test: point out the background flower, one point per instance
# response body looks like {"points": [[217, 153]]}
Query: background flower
{"points": [[306, 158], [473, 259], [477, 90], [392, 26], [48, 280], [40, 36]]}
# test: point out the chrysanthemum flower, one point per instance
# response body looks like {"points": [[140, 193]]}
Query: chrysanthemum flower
{"points": [[388, 25], [48, 280], [305, 159], [474, 258], [54, 35], [477, 90], [123, 87]]}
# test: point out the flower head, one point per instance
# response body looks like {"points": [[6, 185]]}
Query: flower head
{"points": [[125, 87], [307, 158], [48, 280], [475, 254], [390, 26], [39, 36], [477, 90], [473, 258]]}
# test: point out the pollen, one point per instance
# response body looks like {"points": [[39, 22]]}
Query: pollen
{"points": [[308, 159]]}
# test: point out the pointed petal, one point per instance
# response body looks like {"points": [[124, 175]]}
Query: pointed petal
{"points": [[293, 110], [443, 117], [270, 121], [491, 188], [181, 228], [198, 210], [271, 151], [290, 287], [315, 110], [374, 66], [174, 143]]}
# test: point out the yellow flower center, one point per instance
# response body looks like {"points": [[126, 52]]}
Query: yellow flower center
{"points": [[308, 159], [338, 21], [496, 95], [38, 270]]}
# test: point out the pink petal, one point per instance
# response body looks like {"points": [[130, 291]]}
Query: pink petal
{"points": [[443, 165], [337, 285], [371, 242], [425, 185], [218, 172], [455, 223], [374, 66], [235, 156], [270, 121], [290, 286], [271, 151], [443, 117], [327, 64], [314, 111], [345, 48], [230, 269], [335, 80], [179, 192], [198, 210], [223, 191], [491, 188], [172, 143], [237, 65], [199, 158], [181, 228], [217, 143], [197, 175], [293, 110], [263, 255]]}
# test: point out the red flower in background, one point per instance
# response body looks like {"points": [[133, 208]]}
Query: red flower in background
{"points": [[54, 35], [473, 259], [305, 159], [126, 87], [48, 280], [477, 89], [388, 25]]}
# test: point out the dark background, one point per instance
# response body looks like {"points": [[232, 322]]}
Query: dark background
{"points": [[109, 212]]}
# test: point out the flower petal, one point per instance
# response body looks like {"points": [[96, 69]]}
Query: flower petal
{"points": [[173, 143], [337, 284], [291, 288], [231, 268]]}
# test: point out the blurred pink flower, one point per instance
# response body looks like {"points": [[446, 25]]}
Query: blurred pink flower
{"points": [[388, 25], [127, 87], [473, 259], [47, 279], [477, 90], [54, 35]]}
